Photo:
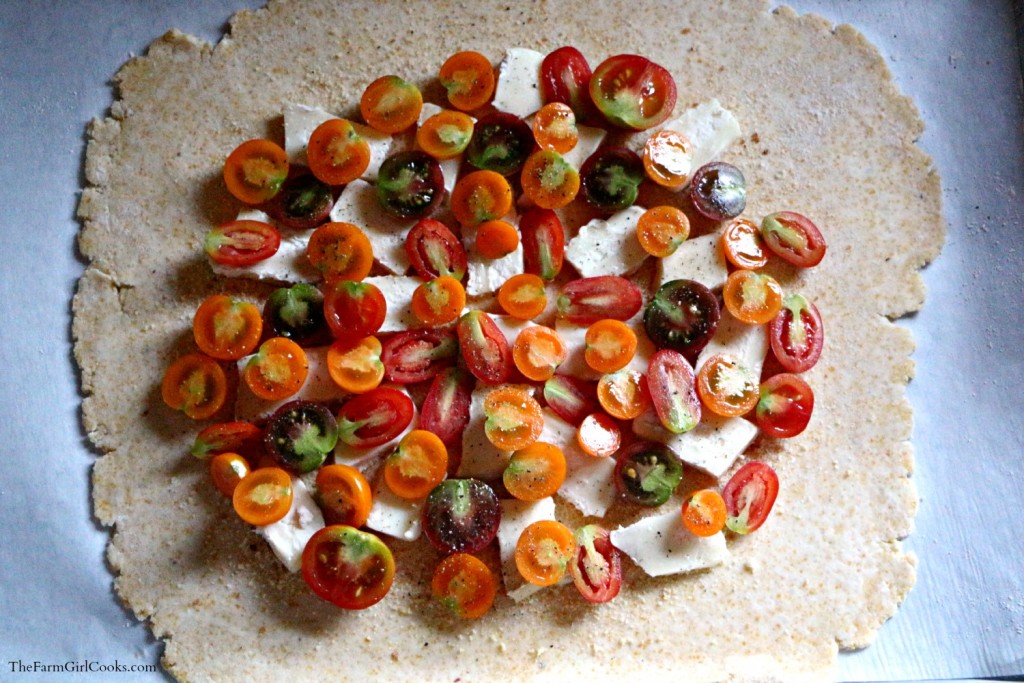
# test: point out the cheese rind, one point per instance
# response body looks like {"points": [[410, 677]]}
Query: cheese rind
{"points": [[358, 205], [608, 246], [661, 545], [518, 88], [713, 445], [288, 536]]}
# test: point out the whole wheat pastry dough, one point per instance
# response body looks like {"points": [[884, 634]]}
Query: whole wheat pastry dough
{"points": [[827, 134]]}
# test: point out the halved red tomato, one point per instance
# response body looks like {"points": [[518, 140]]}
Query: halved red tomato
{"points": [[597, 570], [565, 77], [484, 348], [354, 309], [749, 497], [374, 418], [243, 438], [570, 398], [346, 566], [785, 406], [589, 299], [796, 334], [633, 92], [445, 409], [418, 355], [671, 382], [434, 250], [793, 237], [543, 242], [241, 243]]}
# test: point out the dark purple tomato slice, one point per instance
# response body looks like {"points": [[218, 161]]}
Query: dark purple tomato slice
{"points": [[410, 184], [484, 348], [647, 473], [501, 142], [445, 409], [434, 250], [589, 299], [749, 497], [543, 242], [785, 406], [718, 191], [374, 418], [565, 77], [297, 313], [671, 381], [683, 316], [303, 203], [354, 309], [796, 334], [633, 92], [418, 355], [597, 569], [300, 434], [570, 398], [461, 516], [610, 178]]}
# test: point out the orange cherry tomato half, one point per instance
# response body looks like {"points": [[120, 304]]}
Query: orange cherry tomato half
{"points": [[469, 79], [337, 154], [351, 568], [668, 159], [599, 435], [610, 345], [264, 496], [743, 245], [496, 239], [548, 180], [623, 394], [356, 368], [344, 495], [704, 513], [481, 196], [278, 370], [226, 328], [537, 352], [445, 135], [439, 301], [418, 465], [753, 298], [726, 386], [226, 470], [196, 385], [662, 229], [465, 585], [544, 551], [554, 127], [391, 104], [340, 251], [535, 472], [523, 296], [514, 418], [255, 171]]}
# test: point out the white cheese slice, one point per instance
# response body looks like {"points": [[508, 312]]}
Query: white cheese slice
{"points": [[608, 247], [510, 326], [393, 515], [575, 363], [590, 139], [301, 120], [481, 459], [449, 167], [318, 387], [358, 205], [588, 484], [397, 291], [369, 460], [484, 275], [518, 88], [288, 536], [749, 343], [713, 445], [699, 259], [661, 545], [516, 515], [288, 264]]}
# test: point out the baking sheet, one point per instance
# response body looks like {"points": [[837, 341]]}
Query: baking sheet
{"points": [[959, 61]]}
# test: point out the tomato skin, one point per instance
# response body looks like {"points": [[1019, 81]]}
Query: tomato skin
{"points": [[749, 497], [785, 406], [243, 438], [354, 309], [570, 398], [239, 244], [418, 465], [351, 568], [410, 184], [610, 178], [226, 328], [418, 355], [565, 77], [304, 202], [445, 409], [263, 496], [597, 569], [718, 191], [344, 495], [743, 245], [300, 434], [544, 552], [672, 384], [796, 334], [434, 250], [196, 385], [484, 348], [683, 316], [647, 473], [501, 143], [589, 299], [297, 313], [633, 92], [461, 516], [794, 238], [374, 418], [255, 170], [226, 470], [465, 585], [543, 242]]}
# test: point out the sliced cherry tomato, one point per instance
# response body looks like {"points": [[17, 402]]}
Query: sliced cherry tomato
{"points": [[391, 104], [418, 465], [683, 315], [226, 328], [719, 191], [344, 495], [794, 238], [468, 78], [785, 406], [196, 385], [300, 434], [239, 244], [418, 355], [501, 142], [662, 229], [610, 345], [445, 409], [597, 569], [796, 334], [264, 496], [434, 250], [439, 301], [565, 77], [243, 438], [354, 309], [496, 239], [753, 298], [668, 158], [523, 296], [548, 180], [671, 382], [461, 516], [304, 202], [726, 386], [514, 418], [465, 585], [599, 435], [743, 246], [356, 367], [277, 370], [647, 473], [537, 352], [351, 568], [543, 242], [337, 154], [297, 313], [535, 472], [749, 497], [226, 470], [340, 251], [610, 178], [633, 92], [374, 418], [624, 394], [481, 196], [410, 184], [704, 513], [554, 127], [589, 299], [445, 135], [255, 170], [570, 398], [484, 348], [544, 551]]}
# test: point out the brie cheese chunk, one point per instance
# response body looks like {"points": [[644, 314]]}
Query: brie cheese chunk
{"points": [[713, 445], [590, 139], [288, 536], [484, 275], [608, 247], [516, 515], [518, 88], [358, 205], [699, 259], [588, 484], [510, 326], [288, 264], [748, 343], [661, 545], [300, 121], [575, 363], [318, 387], [393, 515], [397, 291]]}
